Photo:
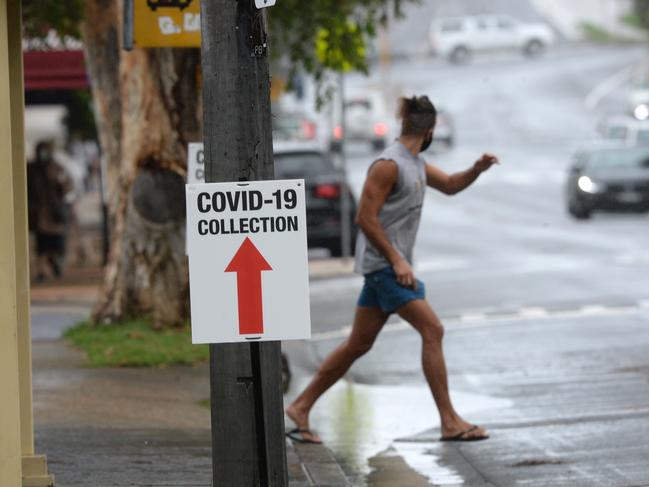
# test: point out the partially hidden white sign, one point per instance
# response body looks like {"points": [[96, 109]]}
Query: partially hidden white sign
{"points": [[248, 263], [195, 163], [265, 3]]}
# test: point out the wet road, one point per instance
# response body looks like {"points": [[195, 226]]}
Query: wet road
{"points": [[507, 243], [547, 318]]}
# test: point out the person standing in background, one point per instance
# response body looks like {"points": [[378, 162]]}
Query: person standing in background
{"points": [[49, 190]]}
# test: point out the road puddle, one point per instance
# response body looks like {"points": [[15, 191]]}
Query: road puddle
{"points": [[411, 464], [359, 423]]}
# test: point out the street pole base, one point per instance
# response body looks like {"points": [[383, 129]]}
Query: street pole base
{"points": [[35, 472]]}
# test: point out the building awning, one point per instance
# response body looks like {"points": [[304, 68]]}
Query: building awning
{"points": [[54, 70]]}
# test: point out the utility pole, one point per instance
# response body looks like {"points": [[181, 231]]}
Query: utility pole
{"points": [[345, 203], [248, 443]]}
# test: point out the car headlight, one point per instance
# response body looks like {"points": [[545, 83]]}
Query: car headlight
{"points": [[587, 185], [641, 112]]}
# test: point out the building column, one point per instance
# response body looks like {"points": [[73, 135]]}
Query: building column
{"points": [[19, 466], [10, 446]]}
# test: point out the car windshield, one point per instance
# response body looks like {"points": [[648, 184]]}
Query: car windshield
{"points": [[451, 26], [616, 132], [361, 104], [620, 158], [643, 137], [286, 126], [302, 165]]}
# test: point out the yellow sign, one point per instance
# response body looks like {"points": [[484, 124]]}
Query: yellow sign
{"points": [[167, 23]]}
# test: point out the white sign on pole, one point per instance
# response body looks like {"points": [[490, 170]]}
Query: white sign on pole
{"points": [[195, 163], [265, 3], [248, 263]]}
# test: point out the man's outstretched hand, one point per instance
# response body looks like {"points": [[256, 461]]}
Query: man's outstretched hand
{"points": [[485, 162]]}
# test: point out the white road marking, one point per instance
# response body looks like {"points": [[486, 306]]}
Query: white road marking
{"points": [[526, 178], [632, 259], [606, 87], [441, 265], [469, 317], [594, 309], [533, 312], [479, 320]]}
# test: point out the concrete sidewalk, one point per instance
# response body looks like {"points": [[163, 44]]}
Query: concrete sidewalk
{"points": [[137, 427], [128, 426]]}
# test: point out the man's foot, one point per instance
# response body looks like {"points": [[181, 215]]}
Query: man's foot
{"points": [[301, 419], [467, 435], [56, 267], [300, 436], [460, 430]]}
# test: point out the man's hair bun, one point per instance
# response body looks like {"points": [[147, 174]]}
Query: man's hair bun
{"points": [[418, 115]]}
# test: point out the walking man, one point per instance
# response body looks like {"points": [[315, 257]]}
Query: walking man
{"points": [[388, 216]]}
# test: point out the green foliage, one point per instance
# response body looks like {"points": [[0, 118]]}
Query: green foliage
{"points": [[80, 119], [633, 20], [41, 16], [595, 33], [328, 35], [641, 8], [136, 344], [317, 36]]}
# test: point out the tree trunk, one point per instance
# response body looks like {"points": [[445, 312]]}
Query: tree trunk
{"points": [[148, 108]]}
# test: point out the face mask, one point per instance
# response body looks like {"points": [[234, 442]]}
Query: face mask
{"points": [[44, 155], [426, 143]]}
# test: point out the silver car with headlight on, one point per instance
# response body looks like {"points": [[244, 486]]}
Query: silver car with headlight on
{"points": [[608, 178]]}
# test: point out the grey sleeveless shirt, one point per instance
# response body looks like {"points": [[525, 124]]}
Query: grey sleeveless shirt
{"points": [[401, 212]]}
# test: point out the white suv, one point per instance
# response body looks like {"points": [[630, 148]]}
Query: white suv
{"points": [[366, 120], [458, 37]]}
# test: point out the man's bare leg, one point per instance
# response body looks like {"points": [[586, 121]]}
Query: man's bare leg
{"points": [[41, 266], [367, 325], [422, 317]]}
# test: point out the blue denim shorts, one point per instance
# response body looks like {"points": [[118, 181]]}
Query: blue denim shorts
{"points": [[381, 290]]}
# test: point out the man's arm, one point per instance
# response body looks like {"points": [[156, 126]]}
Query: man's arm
{"points": [[380, 180], [454, 183]]}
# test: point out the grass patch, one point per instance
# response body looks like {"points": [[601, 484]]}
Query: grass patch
{"points": [[595, 33], [633, 20], [205, 403], [136, 344]]}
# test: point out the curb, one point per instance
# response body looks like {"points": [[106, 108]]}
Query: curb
{"points": [[313, 466], [331, 268]]}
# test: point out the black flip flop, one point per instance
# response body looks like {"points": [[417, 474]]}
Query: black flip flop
{"points": [[297, 435], [462, 437]]}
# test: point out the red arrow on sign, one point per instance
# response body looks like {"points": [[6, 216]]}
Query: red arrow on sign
{"points": [[248, 263]]}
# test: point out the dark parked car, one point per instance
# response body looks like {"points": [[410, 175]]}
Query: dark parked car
{"points": [[323, 184], [608, 178], [293, 126]]}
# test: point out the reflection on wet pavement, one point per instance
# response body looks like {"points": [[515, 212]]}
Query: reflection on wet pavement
{"points": [[390, 469], [359, 423], [428, 460]]}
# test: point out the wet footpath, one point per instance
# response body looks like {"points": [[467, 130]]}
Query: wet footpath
{"points": [[128, 426], [564, 395]]}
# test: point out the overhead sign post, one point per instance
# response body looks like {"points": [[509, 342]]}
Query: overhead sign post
{"points": [[248, 261], [162, 23], [166, 23]]}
